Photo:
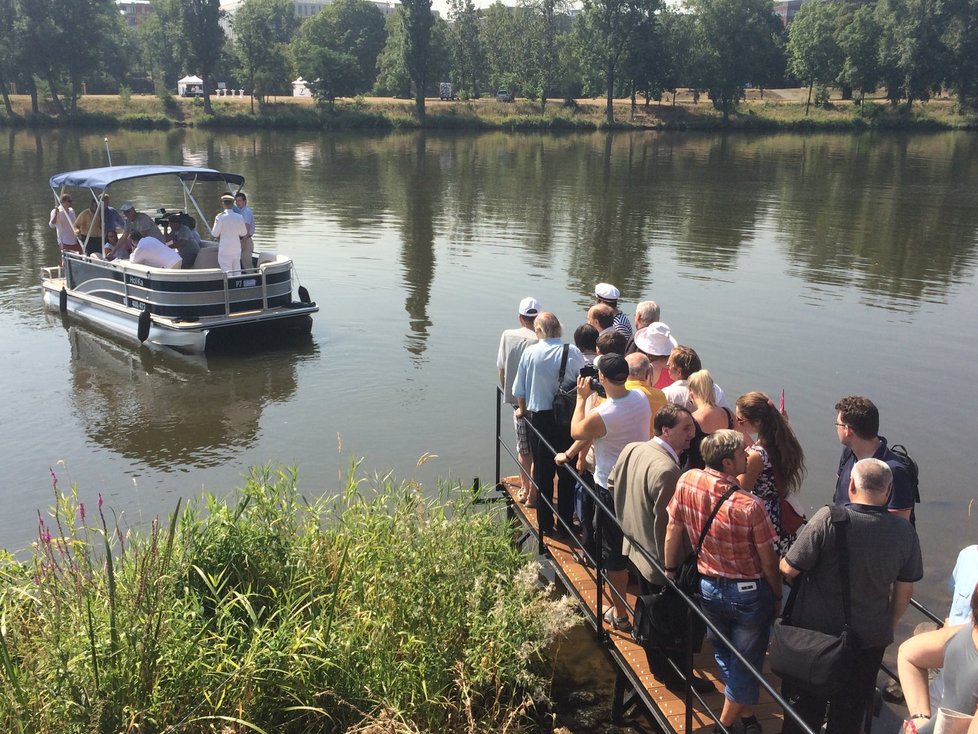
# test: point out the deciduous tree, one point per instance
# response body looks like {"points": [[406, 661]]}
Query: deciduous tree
{"points": [[262, 28], [203, 40], [814, 56], [859, 42], [468, 59], [417, 22]]}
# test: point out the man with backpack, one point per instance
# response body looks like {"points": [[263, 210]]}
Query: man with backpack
{"points": [[857, 424]]}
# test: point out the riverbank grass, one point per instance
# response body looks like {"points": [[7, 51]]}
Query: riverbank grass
{"points": [[266, 612], [775, 110]]}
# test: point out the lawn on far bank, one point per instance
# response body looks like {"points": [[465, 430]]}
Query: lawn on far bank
{"points": [[762, 110]]}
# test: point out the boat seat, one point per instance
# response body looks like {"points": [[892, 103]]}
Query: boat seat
{"points": [[206, 258], [266, 257]]}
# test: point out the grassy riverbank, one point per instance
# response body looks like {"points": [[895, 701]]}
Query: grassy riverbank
{"points": [[774, 110], [265, 612]]}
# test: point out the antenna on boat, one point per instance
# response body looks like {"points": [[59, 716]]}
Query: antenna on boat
{"points": [[108, 152]]}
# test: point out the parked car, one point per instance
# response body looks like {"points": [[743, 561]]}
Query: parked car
{"points": [[504, 95], [446, 91]]}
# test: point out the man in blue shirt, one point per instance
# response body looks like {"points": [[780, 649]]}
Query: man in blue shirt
{"points": [[535, 387], [857, 424]]}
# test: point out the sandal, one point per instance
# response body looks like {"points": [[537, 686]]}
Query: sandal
{"points": [[619, 623]]}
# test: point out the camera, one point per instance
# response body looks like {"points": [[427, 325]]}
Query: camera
{"points": [[590, 371]]}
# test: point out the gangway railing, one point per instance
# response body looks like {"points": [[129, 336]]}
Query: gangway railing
{"points": [[597, 572]]}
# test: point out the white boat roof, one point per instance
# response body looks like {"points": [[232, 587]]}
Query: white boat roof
{"points": [[101, 178]]}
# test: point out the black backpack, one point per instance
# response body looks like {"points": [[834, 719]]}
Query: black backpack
{"points": [[566, 398], [901, 454]]}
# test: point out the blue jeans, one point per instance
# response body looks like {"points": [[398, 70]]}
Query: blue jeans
{"points": [[743, 612]]}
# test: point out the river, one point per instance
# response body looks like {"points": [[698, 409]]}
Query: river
{"points": [[823, 265]]}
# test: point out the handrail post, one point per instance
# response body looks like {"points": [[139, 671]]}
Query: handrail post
{"points": [[599, 574], [499, 435], [688, 668], [227, 298]]}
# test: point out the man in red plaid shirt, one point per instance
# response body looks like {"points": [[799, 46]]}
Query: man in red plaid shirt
{"points": [[740, 587]]}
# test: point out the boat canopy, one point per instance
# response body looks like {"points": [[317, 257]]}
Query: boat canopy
{"points": [[101, 178]]}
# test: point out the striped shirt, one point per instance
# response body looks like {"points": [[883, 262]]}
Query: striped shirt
{"points": [[622, 325], [741, 525]]}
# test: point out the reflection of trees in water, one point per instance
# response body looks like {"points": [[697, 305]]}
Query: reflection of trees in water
{"points": [[173, 411], [414, 187], [890, 214]]}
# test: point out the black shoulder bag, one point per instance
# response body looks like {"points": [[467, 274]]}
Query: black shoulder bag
{"points": [[566, 398], [815, 662], [660, 619]]}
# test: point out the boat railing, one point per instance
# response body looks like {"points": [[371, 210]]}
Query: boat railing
{"points": [[604, 587]]}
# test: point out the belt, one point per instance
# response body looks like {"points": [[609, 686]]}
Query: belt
{"points": [[719, 579]]}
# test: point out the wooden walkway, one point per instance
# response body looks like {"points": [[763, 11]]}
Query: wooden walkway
{"points": [[664, 705]]}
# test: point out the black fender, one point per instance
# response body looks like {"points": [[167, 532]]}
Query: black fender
{"points": [[142, 330], [63, 301]]}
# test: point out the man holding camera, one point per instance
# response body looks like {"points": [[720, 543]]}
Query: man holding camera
{"points": [[623, 418]]}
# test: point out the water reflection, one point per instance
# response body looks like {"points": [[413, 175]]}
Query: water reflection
{"points": [[172, 411]]}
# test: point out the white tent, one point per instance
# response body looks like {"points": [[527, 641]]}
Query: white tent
{"points": [[190, 86]]}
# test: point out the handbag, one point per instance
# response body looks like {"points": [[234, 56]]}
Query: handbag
{"points": [[688, 573], [791, 519], [812, 661], [566, 398], [660, 619]]}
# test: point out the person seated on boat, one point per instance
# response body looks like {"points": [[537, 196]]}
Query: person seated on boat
{"points": [[88, 227], [114, 249], [229, 227], [62, 221], [137, 222], [153, 252], [184, 239]]}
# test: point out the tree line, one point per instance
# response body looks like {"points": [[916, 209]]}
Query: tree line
{"points": [[644, 49]]}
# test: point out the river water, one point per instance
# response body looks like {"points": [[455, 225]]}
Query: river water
{"points": [[824, 265]]}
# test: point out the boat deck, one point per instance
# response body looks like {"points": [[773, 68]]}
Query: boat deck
{"points": [[666, 706]]}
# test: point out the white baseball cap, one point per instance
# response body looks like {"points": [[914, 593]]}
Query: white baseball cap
{"points": [[530, 306]]}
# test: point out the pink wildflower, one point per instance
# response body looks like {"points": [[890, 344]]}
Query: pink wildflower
{"points": [[81, 511]]}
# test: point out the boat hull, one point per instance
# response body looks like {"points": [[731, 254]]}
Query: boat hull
{"points": [[188, 310]]}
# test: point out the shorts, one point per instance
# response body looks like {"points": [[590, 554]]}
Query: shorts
{"points": [[522, 436]]}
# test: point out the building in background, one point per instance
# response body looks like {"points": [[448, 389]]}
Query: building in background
{"points": [[135, 11], [787, 9], [308, 8]]}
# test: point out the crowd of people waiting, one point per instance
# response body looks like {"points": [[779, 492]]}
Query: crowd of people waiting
{"points": [[170, 241], [660, 446]]}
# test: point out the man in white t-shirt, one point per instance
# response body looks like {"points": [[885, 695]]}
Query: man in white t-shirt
{"points": [[623, 418], [153, 252]]}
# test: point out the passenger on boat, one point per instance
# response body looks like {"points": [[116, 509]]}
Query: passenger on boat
{"points": [[646, 313], [740, 587], [512, 343], [88, 228], [857, 425], [62, 221], [884, 562], [535, 387], [602, 317], [185, 240], [607, 293], [643, 482], [229, 227], [136, 222], [247, 243], [775, 461], [683, 362], [153, 252], [656, 342], [954, 649], [113, 220], [115, 248]]}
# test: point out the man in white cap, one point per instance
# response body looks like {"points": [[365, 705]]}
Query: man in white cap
{"points": [[229, 227], [511, 346], [656, 342], [607, 293]]}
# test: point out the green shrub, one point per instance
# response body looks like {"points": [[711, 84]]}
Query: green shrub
{"points": [[271, 613]]}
